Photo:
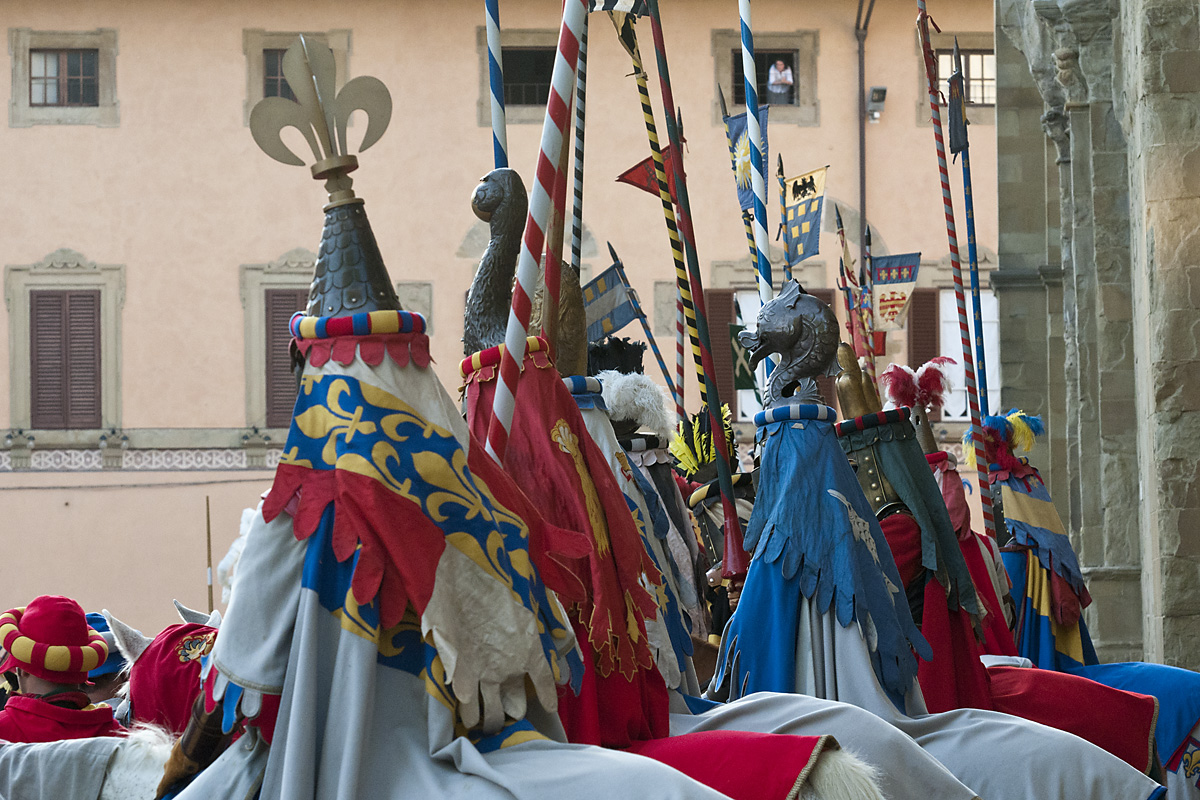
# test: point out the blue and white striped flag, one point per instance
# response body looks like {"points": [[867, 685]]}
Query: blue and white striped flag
{"points": [[608, 303]]}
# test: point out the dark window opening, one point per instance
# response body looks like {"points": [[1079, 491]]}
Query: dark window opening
{"points": [[64, 355], [979, 75], [924, 332], [274, 84], [281, 304], [64, 78], [527, 75], [776, 73]]}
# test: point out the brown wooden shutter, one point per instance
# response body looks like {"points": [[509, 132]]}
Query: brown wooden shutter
{"points": [[924, 331], [825, 383], [64, 356], [281, 304], [719, 304]]}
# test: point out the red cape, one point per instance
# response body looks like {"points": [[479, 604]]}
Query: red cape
{"points": [[29, 719]]}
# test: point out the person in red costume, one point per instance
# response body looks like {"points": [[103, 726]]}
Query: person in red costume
{"points": [[51, 649]]}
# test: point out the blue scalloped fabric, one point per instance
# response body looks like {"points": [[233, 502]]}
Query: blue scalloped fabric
{"points": [[809, 542], [904, 465]]}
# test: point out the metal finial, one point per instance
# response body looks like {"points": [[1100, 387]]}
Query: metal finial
{"points": [[321, 116]]}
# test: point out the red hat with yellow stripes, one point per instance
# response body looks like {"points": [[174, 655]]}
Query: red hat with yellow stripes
{"points": [[50, 638]]}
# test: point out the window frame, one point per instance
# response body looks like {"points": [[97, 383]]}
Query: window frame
{"points": [[255, 41], [965, 54], [805, 110], [63, 77], [528, 38], [292, 270], [739, 86], [64, 270], [974, 41], [284, 88], [23, 114]]}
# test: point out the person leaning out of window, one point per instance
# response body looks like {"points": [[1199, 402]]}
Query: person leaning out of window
{"points": [[779, 84]]}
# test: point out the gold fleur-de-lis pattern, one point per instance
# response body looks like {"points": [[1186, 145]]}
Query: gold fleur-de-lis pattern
{"points": [[345, 425]]}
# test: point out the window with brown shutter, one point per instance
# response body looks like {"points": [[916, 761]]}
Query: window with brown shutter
{"points": [[719, 304], [280, 305], [924, 331], [824, 382], [64, 356]]}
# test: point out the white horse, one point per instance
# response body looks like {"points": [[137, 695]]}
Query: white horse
{"points": [[130, 767]]}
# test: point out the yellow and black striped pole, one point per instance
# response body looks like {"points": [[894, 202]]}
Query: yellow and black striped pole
{"points": [[628, 36]]}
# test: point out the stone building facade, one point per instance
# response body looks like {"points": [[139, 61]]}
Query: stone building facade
{"points": [[1098, 140]]}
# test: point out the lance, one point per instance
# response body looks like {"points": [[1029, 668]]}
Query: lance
{"points": [[554, 126], [868, 305], [757, 180], [554, 238], [985, 486], [787, 262], [208, 539], [577, 206], [747, 220], [641, 315], [849, 287], [959, 144], [496, 78], [735, 561], [628, 35]]}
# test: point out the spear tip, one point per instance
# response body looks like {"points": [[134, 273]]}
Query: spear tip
{"points": [[721, 97]]}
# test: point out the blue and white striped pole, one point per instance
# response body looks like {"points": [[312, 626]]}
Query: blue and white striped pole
{"points": [[496, 78], [757, 179]]}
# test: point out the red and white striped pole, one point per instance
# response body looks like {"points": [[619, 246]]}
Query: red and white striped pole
{"points": [[985, 487], [558, 112]]}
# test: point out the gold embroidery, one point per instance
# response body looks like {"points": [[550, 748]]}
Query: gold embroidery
{"points": [[568, 442], [331, 421]]}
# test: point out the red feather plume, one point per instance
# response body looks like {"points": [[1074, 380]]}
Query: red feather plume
{"points": [[933, 383], [899, 385]]}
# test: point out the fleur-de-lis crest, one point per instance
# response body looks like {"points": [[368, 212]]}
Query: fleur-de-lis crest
{"points": [[319, 113]]}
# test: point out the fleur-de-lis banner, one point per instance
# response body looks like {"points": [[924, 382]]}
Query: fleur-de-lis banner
{"points": [[894, 278]]}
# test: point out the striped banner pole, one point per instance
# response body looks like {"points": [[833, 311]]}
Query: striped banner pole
{"points": [[757, 174], [735, 561], [973, 262], [787, 262], [562, 85], [496, 79], [869, 303], [680, 359], [747, 220], [985, 486], [577, 206], [664, 194]]}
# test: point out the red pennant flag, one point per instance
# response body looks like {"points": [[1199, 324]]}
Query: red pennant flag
{"points": [[642, 175]]}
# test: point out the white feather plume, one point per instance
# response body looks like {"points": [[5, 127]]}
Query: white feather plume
{"points": [[636, 397]]}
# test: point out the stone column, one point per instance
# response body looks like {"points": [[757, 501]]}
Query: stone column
{"points": [[1069, 49], [1158, 106]]}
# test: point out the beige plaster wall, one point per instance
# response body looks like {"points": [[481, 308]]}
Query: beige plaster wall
{"points": [[128, 542], [180, 195]]}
